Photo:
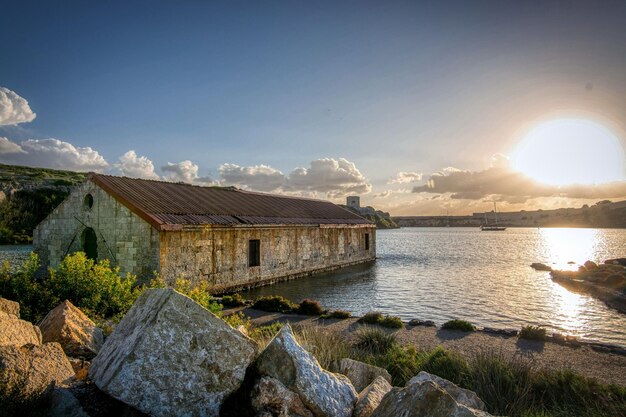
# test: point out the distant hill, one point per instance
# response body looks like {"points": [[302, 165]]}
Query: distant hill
{"points": [[27, 196], [380, 218], [602, 214]]}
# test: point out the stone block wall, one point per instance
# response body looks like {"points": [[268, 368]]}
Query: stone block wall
{"points": [[122, 237], [219, 256]]}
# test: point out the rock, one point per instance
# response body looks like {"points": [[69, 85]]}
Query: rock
{"points": [[10, 307], [359, 373], [538, 266], [616, 261], [416, 322], [271, 397], [170, 356], [590, 265], [17, 332], [33, 368], [370, 398], [73, 330], [501, 332], [64, 404], [324, 393], [423, 399], [80, 367], [460, 395]]}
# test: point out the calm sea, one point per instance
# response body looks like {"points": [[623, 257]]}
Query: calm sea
{"points": [[484, 277]]}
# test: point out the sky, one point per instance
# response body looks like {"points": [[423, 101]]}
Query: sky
{"points": [[418, 107]]}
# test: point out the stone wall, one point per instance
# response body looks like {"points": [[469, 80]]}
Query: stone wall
{"points": [[219, 256], [122, 237]]}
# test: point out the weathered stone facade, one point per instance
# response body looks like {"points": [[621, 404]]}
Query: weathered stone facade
{"points": [[122, 237], [216, 254]]}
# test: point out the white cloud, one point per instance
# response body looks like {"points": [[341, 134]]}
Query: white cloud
{"points": [[13, 108], [6, 146], [258, 177], [184, 171], [134, 166], [335, 177], [53, 153], [405, 177]]}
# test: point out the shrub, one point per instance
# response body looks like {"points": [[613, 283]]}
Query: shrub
{"points": [[373, 317], [446, 364], [337, 314], [391, 322], [274, 303], [462, 325], [533, 333], [374, 341], [263, 334], [238, 319], [310, 308], [199, 293], [234, 300]]}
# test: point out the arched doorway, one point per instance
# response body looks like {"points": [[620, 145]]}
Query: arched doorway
{"points": [[90, 243]]}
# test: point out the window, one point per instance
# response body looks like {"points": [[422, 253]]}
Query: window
{"points": [[367, 241], [254, 252], [88, 202]]}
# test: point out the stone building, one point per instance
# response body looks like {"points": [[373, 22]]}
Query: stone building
{"points": [[227, 237]]}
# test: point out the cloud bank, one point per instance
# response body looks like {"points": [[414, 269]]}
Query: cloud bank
{"points": [[51, 153], [131, 165], [14, 109], [184, 171], [335, 177], [405, 177]]}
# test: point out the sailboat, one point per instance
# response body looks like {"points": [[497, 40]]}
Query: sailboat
{"points": [[495, 228]]}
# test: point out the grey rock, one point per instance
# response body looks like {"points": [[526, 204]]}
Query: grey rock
{"points": [[423, 399], [73, 330], [17, 332], [170, 356], [324, 393], [359, 373], [34, 369], [460, 395], [10, 307], [64, 404], [270, 396], [370, 397]]}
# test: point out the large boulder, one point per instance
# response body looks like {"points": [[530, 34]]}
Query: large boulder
{"points": [[271, 397], [170, 356], [460, 395], [33, 369], [10, 307], [70, 327], [64, 404], [359, 373], [17, 332], [370, 397], [324, 393], [423, 399]]}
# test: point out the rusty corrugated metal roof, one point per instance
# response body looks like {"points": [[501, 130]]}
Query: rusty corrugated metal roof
{"points": [[167, 205]]}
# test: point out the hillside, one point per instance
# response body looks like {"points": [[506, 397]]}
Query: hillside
{"points": [[27, 196]]}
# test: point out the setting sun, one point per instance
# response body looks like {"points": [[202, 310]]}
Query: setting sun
{"points": [[570, 151]]}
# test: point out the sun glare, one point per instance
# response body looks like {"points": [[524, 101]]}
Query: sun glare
{"points": [[570, 151]]}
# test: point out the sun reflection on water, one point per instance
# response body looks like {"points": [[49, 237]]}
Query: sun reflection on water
{"points": [[568, 248]]}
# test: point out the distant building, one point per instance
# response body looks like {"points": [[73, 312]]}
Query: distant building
{"points": [[227, 237], [353, 201]]}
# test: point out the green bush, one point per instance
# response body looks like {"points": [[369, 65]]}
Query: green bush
{"points": [[337, 314], [533, 333], [374, 341], [274, 303], [373, 317], [234, 300], [446, 364], [462, 325], [199, 293], [34, 297], [94, 287], [310, 308], [391, 322]]}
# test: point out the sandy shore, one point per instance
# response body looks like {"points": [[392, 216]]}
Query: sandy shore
{"points": [[609, 368]]}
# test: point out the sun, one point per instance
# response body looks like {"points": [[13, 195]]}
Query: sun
{"points": [[570, 151]]}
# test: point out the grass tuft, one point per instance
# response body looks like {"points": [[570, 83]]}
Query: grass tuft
{"points": [[234, 300], [533, 333], [274, 304], [374, 341], [310, 308], [462, 325]]}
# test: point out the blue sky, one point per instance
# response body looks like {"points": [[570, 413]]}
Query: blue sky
{"points": [[390, 87]]}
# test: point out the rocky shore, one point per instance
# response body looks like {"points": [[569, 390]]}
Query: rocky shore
{"points": [[169, 356]]}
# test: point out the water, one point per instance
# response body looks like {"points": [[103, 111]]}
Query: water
{"points": [[483, 277], [15, 254]]}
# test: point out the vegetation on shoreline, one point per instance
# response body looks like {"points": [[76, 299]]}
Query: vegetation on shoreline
{"points": [[461, 325]]}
